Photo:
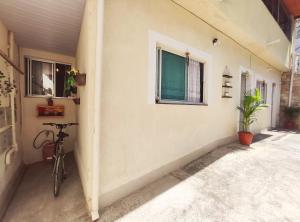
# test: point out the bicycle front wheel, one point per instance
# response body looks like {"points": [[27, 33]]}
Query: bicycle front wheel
{"points": [[58, 176]]}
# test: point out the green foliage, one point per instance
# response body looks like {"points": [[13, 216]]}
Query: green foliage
{"points": [[70, 83], [251, 104], [292, 112], [6, 87]]}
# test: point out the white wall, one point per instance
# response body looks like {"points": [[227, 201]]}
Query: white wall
{"points": [[247, 22], [32, 124], [86, 63], [139, 138], [9, 173]]}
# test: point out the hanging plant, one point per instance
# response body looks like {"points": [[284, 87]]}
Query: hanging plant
{"points": [[6, 87], [70, 83]]}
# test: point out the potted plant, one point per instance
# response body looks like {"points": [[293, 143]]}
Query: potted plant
{"points": [[291, 114], [251, 104], [50, 101], [70, 83]]}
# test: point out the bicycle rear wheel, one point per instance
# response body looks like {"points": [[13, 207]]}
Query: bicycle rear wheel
{"points": [[58, 175]]}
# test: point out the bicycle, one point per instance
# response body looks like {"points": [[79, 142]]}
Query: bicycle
{"points": [[59, 167]]}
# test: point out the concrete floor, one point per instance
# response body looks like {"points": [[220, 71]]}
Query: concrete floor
{"points": [[231, 184], [34, 201]]}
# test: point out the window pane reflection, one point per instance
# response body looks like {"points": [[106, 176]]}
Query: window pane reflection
{"points": [[42, 78]]}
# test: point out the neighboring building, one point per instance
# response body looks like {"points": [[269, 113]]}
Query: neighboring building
{"points": [[290, 80], [164, 78]]}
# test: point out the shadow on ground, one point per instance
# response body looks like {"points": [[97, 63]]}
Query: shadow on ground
{"points": [[34, 201], [151, 191], [230, 183]]}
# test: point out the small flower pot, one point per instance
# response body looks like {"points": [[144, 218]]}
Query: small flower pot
{"points": [[80, 79], [76, 101], [245, 138], [50, 102], [290, 124]]}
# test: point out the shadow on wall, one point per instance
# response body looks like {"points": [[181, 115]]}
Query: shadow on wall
{"points": [[286, 131]]}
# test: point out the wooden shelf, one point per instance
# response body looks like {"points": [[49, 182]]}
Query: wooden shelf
{"points": [[51, 111]]}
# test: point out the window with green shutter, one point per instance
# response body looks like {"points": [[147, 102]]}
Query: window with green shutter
{"points": [[172, 76], [180, 79]]}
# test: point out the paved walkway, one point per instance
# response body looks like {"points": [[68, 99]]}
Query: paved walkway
{"points": [[34, 201], [231, 184]]}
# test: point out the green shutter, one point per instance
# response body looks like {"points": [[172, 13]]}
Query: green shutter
{"points": [[172, 76]]}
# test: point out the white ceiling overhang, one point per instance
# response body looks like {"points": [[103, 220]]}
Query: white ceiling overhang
{"points": [[50, 25], [247, 22]]}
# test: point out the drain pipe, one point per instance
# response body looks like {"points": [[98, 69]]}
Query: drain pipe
{"points": [[291, 88], [14, 146], [97, 112], [293, 59]]}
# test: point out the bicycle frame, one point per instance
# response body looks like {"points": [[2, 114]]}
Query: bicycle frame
{"points": [[59, 151], [59, 167]]}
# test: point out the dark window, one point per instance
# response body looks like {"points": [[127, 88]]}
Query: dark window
{"points": [[263, 89], [60, 78]]}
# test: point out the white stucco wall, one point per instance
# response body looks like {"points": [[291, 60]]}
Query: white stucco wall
{"points": [[139, 138], [9, 173], [32, 124], [86, 63]]}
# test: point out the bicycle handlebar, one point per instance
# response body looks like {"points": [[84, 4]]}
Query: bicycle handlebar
{"points": [[60, 125]]}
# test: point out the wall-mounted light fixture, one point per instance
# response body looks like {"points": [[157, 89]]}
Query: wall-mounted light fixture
{"points": [[216, 41]]}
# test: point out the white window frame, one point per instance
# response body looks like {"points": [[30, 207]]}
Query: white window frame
{"points": [[159, 76], [28, 93], [156, 39], [264, 94]]}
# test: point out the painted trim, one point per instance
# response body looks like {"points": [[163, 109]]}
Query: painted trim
{"points": [[158, 39]]}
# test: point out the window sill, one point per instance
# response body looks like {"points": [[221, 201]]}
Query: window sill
{"points": [[167, 102], [46, 97]]}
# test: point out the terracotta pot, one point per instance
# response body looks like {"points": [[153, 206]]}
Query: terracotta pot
{"points": [[80, 79], [245, 138], [76, 101], [290, 124]]}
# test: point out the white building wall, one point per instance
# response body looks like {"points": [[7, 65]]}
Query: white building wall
{"points": [[141, 141], [86, 63]]}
